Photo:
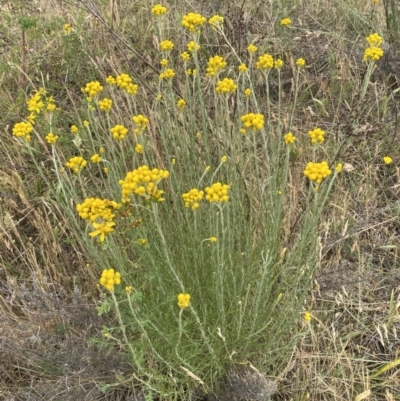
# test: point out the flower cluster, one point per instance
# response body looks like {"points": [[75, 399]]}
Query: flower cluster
{"points": [[181, 104], [124, 82], [289, 138], [183, 300], [109, 278], [217, 193], [158, 10], [215, 65], [96, 158], [265, 62], [252, 121], [35, 102], [216, 22], [300, 62], [192, 198], [166, 45], [317, 171], [373, 54], [192, 46], [67, 28], [119, 132], [185, 56], [143, 182], [51, 138], [242, 68], [192, 21], [140, 122], [278, 63], [105, 104], [23, 130], [251, 48], [94, 209], [374, 40], [317, 135], [387, 160], [93, 88], [164, 62], [227, 85], [76, 163], [286, 21], [247, 92], [74, 129], [169, 73]]}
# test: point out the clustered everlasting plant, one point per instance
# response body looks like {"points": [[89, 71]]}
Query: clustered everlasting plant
{"points": [[187, 200]]}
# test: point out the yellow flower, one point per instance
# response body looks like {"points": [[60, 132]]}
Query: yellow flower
{"points": [[76, 163], [96, 158], [183, 300], [252, 121], [102, 229], [138, 148], [192, 21], [119, 132], [74, 129], [86, 123], [289, 138], [128, 289], [227, 85], [317, 171], [111, 80], [159, 97], [185, 56], [192, 198], [158, 10], [101, 150], [51, 138], [286, 21], [251, 48], [143, 241], [124, 82], [387, 160], [193, 46], [307, 316], [242, 68], [166, 45], [215, 65], [278, 63], [105, 169], [217, 193], [23, 130], [216, 22], [105, 104], [164, 62], [224, 159], [317, 135], [373, 54], [339, 167], [93, 88], [213, 239], [109, 278], [96, 209], [247, 92], [169, 73], [173, 161], [265, 62], [140, 123], [374, 40], [300, 62], [181, 104], [67, 29]]}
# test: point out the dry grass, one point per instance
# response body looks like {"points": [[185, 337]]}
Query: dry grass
{"points": [[47, 302]]}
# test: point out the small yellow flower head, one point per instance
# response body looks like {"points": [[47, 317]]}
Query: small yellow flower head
{"points": [[215, 65], [227, 85], [128, 289], [224, 159], [216, 22], [286, 21], [140, 122], [143, 241], [86, 123], [51, 138], [300, 62], [278, 63], [289, 138], [158, 10], [374, 40], [387, 160], [23, 130], [251, 48], [317, 135], [105, 169], [373, 54], [164, 62], [169, 73], [51, 106], [102, 229], [193, 46], [166, 45], [242, 68], [217, 193], [307, 317], [339, 168], [265, 62], [105, 104], [101, 150], [317, 171], [35, 102], [124, 82], [185, 56], [31, 118], [192, 21], [183, 300], [247, 92], [159, 97], [192, 198], [119, 132], [67, 28], [181, 104], [109, 278], [96, 209], [213, 239], [111, 80], [173, 161], [139, 148], [76, 163], [143, 182], [207, 168], [74, 129], [93, 88], [253, 121], [96, 158]]}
